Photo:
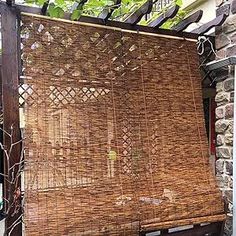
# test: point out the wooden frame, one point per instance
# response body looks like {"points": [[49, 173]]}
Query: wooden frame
{"points": [[194, 18], [10, 23], [214, 229], [111, 23], [219, 20], [134, 18], [164, 17], [106, 13]]}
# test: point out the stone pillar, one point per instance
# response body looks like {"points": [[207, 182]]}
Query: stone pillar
{"points": [[224, 141], [226, 46]]}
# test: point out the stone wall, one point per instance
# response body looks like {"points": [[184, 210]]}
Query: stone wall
{"points": [[226, 46], [224, 130]]}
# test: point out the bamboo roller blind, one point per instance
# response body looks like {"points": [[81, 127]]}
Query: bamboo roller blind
{"points": [[115, 137]]}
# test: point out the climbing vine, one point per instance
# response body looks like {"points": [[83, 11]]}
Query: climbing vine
{"points": [[57, 8]]}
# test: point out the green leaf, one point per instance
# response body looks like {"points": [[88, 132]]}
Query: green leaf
{"points": [[167, 25], [29, 1], [179, 2], [59, 2], [76, 14], [50, 8], [126, 2], [40, 2], [55, 11]]}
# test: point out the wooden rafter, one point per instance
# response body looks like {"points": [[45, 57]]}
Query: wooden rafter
{"points": [[106, 13], [9, 2], [194, 18], [45, 7], [136, 16], [197, 230], [78, 5], [153, 27], [111, 23], [164, 17], [219, 20]]}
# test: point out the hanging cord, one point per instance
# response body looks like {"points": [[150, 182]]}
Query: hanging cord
{"points": [[201, 45], [203, 154]]}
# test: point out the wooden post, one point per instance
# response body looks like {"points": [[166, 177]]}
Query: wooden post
{"points": [[10, 24]]}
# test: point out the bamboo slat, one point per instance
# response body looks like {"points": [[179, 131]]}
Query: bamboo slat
{"points": [[115, 137]]}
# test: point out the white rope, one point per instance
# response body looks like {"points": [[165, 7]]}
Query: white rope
{"points": [[202, 40]]}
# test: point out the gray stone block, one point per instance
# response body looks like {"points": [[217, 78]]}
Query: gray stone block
{"points": [[231, 51], [222, 98], [219, 140], [223, 152], [230, 24], [228, 195], [221, 53], [220, 112], [221, 126], [219, 87], [228, 225], [220, 166], [229, 84], [229, 167], [233, 6], [222, 40], [231, 97], [220, 180], [228, 139], [230, 128], [229, 111]]}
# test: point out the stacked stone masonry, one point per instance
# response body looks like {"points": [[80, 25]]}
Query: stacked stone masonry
{"points": [[225, 46], [224, 141]]}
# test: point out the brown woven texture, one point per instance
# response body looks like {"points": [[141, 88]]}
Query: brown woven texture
{"points": [[115, 136]]}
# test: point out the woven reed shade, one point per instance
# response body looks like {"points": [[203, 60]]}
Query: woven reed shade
{"points": [[115, 137]]}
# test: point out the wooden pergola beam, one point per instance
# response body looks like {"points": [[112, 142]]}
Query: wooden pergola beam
{"points": [[11, 68], [106, 13], [197, 230], [171, 13], [194, 18], [78, 5], [136, 16], [111, 23], [219, 20], [153, 27]]}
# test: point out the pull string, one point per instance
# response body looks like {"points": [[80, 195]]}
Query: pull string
{"points": [[196, 117], [194, 102], [146, 118], [114, 118], [134, 182], [201, 45]]}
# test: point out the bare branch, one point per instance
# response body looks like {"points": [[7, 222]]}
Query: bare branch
{"points": [[16, 222], [13, 227], [16, 164], [18, 142], [3, 175], [5, 132], [5, 199], [14, 199]]}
